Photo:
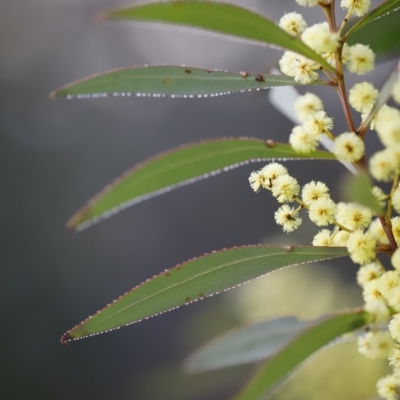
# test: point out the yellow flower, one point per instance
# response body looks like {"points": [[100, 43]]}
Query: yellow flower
{"points": [[307, 104], [340, 239], [293, 23], [362, 96], [368, 273], [285, 63], [320, 38], [394, 327], [271, 172], [382, 165], [323, 238], [394, 298], [396, 199], [396, 229], [257, 180], [361, 247], [394, 359], [322, 211], [353, 215], [375, 345], [387, 125], [288, 218], [348, 147], [313, 191], [371, 292], [387, 281], [360, 59], [302, 142], [285, 188], [318, 123], [307, 3], [304, 70], [358, 7], [388, 386]]}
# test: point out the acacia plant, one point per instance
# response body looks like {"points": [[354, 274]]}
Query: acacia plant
{"points": [[365, 227]]}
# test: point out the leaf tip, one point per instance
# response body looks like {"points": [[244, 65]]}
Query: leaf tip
{"points": [[73, 222], [66, 338], [102, 16], [53, 95]]}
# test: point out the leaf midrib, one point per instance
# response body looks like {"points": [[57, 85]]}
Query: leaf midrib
{"points": [[179, 77], [195, 159], [200, 275]]}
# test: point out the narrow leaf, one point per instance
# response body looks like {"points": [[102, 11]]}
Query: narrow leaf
{"points": [[382, 35], [246, 344], [169, 80], [358, 189], [381, 11], [251, 343], [180, 167], [196, 279], [218, 17], [278, 367]]}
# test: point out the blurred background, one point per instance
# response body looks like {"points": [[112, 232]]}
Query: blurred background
{"points": [[56, 156]]}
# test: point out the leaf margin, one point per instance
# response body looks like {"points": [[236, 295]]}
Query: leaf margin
{"points": [[365, 319], [263, 82], [115, 14], [76, 222], [327, 253], [378, 12]]}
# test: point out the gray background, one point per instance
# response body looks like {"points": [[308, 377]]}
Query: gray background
{"points": [[56, 156]]}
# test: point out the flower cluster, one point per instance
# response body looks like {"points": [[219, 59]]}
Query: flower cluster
{"points": [[381, 293], [365, 232], [304, 138], [359, 58]]}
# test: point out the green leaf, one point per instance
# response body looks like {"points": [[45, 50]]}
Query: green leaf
{"points": [[246, 344], [357, 188], [218, 17], [179, 167], [162, 80], [250, 343], [278, 367], [377, 13], [196, 279], [382, 35]]}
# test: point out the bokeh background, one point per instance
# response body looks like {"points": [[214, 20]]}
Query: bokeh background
{"points": [[56, 156]]}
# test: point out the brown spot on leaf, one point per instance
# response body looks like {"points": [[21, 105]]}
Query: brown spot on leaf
{"points": [[201, 295], [270, 143], [187, 299], [167, 80], [188, 71], [259, 78], [167, 274]]}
